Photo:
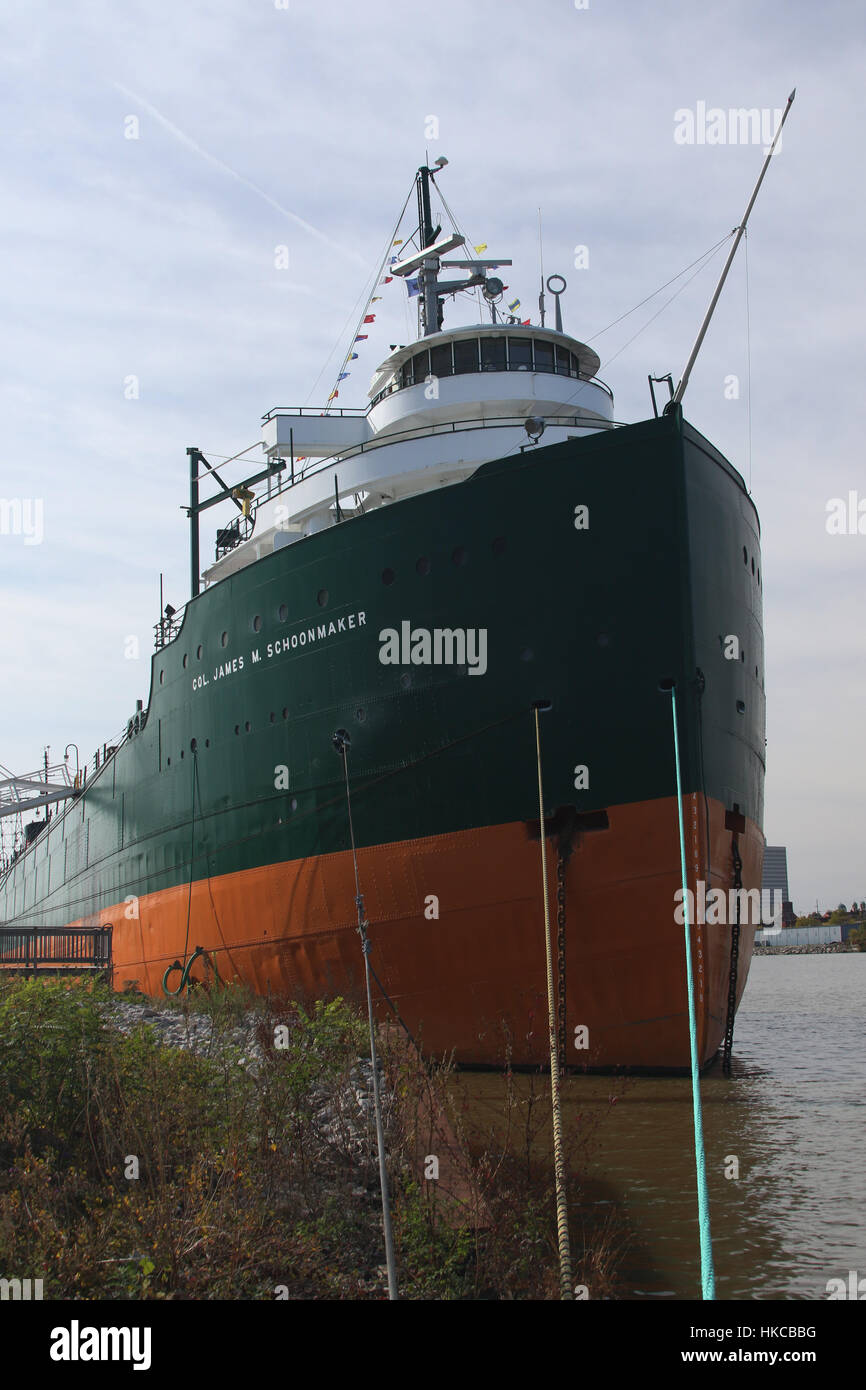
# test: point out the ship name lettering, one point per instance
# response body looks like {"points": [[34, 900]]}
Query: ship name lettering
{"points": [[308, 636], [229, 668]]}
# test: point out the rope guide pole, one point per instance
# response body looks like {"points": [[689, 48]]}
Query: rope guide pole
{"points": [[341, 742], [708, 1277]]}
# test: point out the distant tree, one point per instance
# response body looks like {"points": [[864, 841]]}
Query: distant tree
{"points": [[857, 938]]}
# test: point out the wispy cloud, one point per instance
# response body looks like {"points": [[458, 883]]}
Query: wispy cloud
{"points": [[220, 164]]}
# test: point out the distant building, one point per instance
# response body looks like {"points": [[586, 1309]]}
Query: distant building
{"points": [[830, 935], [775, 879]]}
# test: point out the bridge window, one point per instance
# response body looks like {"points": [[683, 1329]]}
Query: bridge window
{"points": [[440, 360], [466, 356], [520, 354], [543, 357], [493, 354], [419, 368], [517, 353]]}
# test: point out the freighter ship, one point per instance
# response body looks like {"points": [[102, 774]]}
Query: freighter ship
{"points": [[402, 589]]}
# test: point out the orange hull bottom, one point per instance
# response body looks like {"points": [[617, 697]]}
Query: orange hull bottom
{"points": [[457, 932]]}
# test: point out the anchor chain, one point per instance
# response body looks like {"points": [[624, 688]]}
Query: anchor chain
{"points": [[735, 956]]}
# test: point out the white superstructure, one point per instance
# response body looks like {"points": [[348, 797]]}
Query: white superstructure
{"points": [[439, 408]]}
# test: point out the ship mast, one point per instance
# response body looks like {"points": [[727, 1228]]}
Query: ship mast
{"points": [[429, 300], [428, 260], [684, 379]]}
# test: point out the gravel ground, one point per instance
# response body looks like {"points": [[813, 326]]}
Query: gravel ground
{"points": [[346, 1118]]}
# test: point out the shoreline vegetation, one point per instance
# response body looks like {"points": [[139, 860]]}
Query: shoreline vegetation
{"points": [[223, 1147], [831, 948]]}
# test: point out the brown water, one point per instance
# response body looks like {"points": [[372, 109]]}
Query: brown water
{"points": [[792, 1115]]}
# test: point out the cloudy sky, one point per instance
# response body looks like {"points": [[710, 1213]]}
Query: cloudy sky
{"points": [[155, 156]]}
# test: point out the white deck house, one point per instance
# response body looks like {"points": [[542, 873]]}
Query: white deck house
{"points": [[438, 409]]}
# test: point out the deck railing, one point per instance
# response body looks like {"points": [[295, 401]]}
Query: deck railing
{"points": [[72, 950]]}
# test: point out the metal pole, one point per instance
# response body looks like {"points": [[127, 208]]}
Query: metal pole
{"points": [[708, 1277], [684, 380], [341, 743], [193, 522]]}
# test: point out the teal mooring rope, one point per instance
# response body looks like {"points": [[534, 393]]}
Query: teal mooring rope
{"points": [[708, 1277]]}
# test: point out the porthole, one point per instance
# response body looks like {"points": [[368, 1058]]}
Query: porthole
{"points": [[753, 564], [168, 762], [248, 726], [742, 656], [283, 612], [185, 661], [224, 639], [759, 575], [285, 713], [745, 556], [422, 565], [388, 576], [273, 717], [458, 555], [237, 728], [322, 598], [198, 652], [193, 745], [162, 677], [498, 546], [207, 743], [360, 715], [257, 623], [741, 707], [181, 752], [756, 673], [405, 680], [294, 803]]}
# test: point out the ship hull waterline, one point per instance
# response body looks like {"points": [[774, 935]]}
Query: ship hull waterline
{"points": [[469, 981]]}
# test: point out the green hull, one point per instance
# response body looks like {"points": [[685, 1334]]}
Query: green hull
{"points": [[235, 767]]}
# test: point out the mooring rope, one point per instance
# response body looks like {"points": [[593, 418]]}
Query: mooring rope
{"points": [[708, 1278], [566, 1291], [341, 742]]}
